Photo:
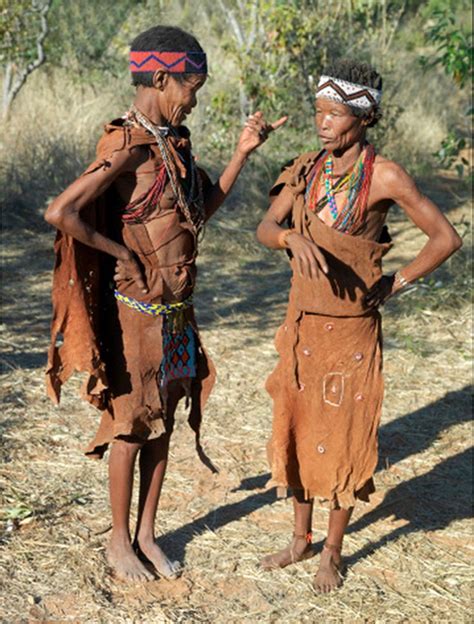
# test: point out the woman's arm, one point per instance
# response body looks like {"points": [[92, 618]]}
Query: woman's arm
{"points": [[443, 240], [307, 255]]}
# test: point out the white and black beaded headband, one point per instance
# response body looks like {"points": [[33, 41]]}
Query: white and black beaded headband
{"points": [[348, 93]]}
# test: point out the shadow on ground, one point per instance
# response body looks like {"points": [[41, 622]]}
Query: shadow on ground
{"points": [[428, 502]]}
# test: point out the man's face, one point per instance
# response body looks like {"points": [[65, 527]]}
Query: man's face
{"points": [[338, 128], [179, 98]]}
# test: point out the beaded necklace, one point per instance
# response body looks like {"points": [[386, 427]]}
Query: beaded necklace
{"points": [[142, 207], [328, 168], [194, 198], [355, 183]]}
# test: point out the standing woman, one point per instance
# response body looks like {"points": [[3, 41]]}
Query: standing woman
{"points": [[124, 278], [327, 387]]}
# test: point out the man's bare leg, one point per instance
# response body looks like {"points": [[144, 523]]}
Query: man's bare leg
{"points": [[328, 576], [153, 462], [300, 546], [120, 553]]}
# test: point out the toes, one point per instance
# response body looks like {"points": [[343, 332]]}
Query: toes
{"points": [[268, 563], [132, 576], [176, 568], [324, 586], [143, 573]]}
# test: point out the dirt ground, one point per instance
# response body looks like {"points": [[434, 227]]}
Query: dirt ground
{"points": [[409, 551]]}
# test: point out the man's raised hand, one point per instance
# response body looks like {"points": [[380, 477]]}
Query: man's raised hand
{"points": [[256, 131]]}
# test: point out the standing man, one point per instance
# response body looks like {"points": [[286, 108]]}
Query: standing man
{"points": [[327, 387], [124, 278]]}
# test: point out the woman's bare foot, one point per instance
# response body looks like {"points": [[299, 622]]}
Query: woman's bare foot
{"points": [[125, 563], [328, 577], [149, 549], [299, 549]]}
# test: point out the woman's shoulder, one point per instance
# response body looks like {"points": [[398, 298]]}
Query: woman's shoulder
{"points": [[294, 172], [301, 161]]}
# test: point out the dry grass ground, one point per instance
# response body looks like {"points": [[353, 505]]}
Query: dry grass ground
{"points": [[409, 551]]}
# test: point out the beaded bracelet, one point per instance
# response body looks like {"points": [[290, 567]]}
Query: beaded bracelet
{"points": [[283, 236]]}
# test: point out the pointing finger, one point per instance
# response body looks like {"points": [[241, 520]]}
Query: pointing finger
{"points": [[277, 124]]}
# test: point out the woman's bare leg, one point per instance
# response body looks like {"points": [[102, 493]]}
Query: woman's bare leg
{"points": [[328, 576], [120, 553], [300, 546]]}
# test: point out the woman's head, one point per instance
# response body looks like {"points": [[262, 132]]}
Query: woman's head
{"points": [[172, 62], [347, 103]]}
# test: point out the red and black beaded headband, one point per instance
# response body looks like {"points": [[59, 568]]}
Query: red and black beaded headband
{"points": [[173, 62]]}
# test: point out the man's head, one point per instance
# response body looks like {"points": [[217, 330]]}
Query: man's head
{"points": [[170, 61], [347, 103]]}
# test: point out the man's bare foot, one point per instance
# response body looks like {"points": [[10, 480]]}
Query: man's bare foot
{"points": [[149, 549], [328, 577], [298, 550], [125, 563]]}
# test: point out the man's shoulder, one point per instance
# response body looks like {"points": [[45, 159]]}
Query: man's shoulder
{"points": [[119, 135]]}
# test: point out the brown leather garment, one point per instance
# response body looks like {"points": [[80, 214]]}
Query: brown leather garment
{"points": [[327, 387], [120, 349]]}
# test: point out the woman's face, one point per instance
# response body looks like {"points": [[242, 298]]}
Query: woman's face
{"points": [[338, 128], [179, 97]]}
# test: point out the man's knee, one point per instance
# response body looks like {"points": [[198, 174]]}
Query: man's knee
{"points": [[127, 446]]}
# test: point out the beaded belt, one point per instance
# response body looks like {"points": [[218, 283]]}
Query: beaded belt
{"points": [[154, 309]]}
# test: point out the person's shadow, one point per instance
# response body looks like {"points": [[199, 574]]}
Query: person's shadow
{"points": [[442, 495], [429, 502]]}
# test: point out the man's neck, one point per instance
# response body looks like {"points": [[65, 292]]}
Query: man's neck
{"points": [[345, 159], [146, 102]]}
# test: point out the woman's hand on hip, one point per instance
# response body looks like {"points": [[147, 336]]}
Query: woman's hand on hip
{"points": [[380, 292]]}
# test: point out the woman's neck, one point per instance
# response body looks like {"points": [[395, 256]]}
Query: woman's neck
{"points": [[343, 160]]}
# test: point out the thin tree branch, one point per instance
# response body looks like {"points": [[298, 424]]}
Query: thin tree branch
{"points": [[253, 25], [233, 23], [14, 84]]}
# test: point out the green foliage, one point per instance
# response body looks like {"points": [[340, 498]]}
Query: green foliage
{"points": [[20, 25], [449, 153], [279, 48], [263, 54], [82, 34], [218, 120], [454, 51]]}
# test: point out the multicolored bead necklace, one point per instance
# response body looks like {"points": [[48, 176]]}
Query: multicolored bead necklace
{"points": [[355, 183], [328, 175]]}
